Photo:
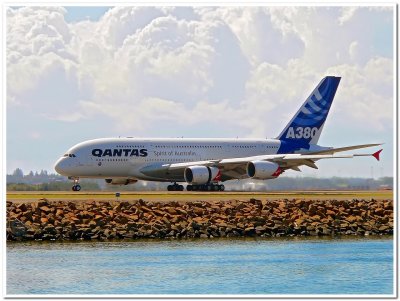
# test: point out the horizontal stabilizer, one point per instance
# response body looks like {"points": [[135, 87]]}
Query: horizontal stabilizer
{"points": [[342, 149], [376, 155]]}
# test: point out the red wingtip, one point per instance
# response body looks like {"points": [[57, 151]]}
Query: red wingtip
{"points": [[376, 155]]}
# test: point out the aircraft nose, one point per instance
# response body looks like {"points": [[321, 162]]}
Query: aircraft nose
{"points": [[61, 166]]}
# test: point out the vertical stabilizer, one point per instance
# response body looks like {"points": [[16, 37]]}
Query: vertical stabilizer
{"points": [[306, 125]]}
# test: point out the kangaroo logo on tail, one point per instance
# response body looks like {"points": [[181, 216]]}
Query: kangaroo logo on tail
{"points": [[306, 125]]}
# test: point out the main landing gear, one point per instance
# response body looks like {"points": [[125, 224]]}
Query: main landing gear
{"points": [[76, 186], [206, 187], [175, 187], [203, 187]]}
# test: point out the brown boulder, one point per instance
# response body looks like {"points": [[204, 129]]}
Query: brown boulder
{"points": [[74, 219], [240, 206], [165, 220], [216, 208], [351, 218], [199, 220], [92, 224], [159, 212], [71, 206], [330, 212], [42, 202], [45, 209], [316, 218], [383, 228], [388, 205], [379, 211], [22, 207], [121, 219], [300, 221], [198, 211], [36, 218], [171, 211], [59, 212]]}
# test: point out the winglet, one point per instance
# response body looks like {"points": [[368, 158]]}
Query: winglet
{"points": [[376, 154]]}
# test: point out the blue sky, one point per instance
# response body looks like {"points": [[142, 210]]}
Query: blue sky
{"points": [[78, 73], [82, 13]]}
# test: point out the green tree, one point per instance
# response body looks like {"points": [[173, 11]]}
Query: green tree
{"points": [[18, 173]]}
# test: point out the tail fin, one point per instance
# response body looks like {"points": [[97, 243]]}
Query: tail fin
{"points": [[306, 125]]}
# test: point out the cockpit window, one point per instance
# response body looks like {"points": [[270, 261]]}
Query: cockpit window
{"points": [[70, 155]]}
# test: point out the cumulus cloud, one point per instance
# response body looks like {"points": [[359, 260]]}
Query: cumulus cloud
{"points": [[346, 14], [353, 49], [200, 71]]}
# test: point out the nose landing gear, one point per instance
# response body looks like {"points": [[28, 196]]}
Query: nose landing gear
{"points": [[76, 186]]}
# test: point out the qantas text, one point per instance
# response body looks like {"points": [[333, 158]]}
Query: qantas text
{"points": [[119, 152]]}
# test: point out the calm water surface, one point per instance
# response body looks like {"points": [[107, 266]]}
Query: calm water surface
{"points": [[213, 266]]}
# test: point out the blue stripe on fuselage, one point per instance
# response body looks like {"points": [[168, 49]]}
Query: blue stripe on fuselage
{"points": [[289, 147]]}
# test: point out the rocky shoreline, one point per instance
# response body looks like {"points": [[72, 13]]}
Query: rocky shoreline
{"points": [[106, 220]]}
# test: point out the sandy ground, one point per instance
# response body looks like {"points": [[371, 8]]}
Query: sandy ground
{"points": [[197, 196]]}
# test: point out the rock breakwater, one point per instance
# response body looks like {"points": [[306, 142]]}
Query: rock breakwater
{"points": [[104, 220]]}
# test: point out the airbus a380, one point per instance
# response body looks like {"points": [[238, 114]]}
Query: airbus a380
{"points": [[204, 163]]}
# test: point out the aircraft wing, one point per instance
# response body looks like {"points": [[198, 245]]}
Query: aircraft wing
{"points": [[235, 168], [342, 149]]}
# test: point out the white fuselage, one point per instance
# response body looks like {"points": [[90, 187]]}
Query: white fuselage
{"points": [[203, 163], [134, 158]]}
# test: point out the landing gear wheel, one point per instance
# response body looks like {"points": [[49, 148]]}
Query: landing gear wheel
{"points": [[175, 187], [76, 186], [206, 187]]}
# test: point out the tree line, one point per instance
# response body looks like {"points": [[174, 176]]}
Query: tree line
{"points": [[44, 181]]}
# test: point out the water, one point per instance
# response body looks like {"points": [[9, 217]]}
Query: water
{"points": [[216, 266]]}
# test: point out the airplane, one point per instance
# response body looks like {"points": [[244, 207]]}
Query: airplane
{"points": [[204, 164]]}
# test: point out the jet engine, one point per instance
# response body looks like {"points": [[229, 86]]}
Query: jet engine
{"points": [[201, 174], [263, 170], [120, 181]]}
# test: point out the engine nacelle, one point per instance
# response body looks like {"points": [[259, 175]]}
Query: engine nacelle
{"points": [[263, 170], [120, 181], [201, 174]]}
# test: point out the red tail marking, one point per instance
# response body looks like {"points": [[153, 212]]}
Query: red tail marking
{"points": [[277, 172], [376, 155]]}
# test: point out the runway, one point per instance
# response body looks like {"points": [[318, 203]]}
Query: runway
{"points": [[198, 196]]}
